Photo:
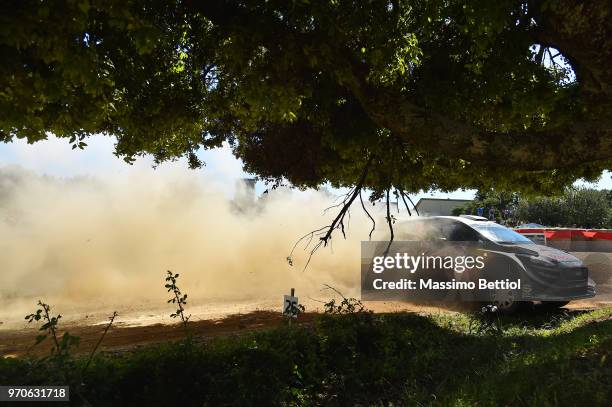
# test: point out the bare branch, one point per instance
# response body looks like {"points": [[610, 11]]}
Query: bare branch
{"points": [[539, 58], [316, 300], [335, 206], [413, 205], [93, 352], [337, 223], [347, 204], [369, 216], [329, 287], [405, 203], [552, 59], [312, 252], [389, 222], [308, 236]]}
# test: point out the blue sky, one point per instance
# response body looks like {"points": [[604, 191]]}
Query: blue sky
{"points": [[56, 158]]}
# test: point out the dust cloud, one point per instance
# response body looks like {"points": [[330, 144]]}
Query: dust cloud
{"points": [[92, 243]]}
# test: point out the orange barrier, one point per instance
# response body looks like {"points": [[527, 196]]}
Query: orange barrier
{"points": [[570, 234]]}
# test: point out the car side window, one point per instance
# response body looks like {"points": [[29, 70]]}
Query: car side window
{"points": [[444, 230], [458, 232]]}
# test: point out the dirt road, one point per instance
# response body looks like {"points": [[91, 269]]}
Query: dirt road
{"points": [[124, 336]]}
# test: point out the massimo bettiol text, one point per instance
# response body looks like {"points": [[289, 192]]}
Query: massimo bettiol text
{"points": [[434, 270]]}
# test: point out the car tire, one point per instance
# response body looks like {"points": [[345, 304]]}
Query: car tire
{"points": [[504, 303], [507, 301]]}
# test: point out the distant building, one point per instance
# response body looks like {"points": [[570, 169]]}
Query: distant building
{"points": [[439, 207]]}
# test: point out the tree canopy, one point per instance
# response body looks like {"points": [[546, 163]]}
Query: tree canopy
{"points": [[398, 94], [575, 207]]}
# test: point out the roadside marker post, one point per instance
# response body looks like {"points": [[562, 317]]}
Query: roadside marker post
{"points": [[290, 306]]}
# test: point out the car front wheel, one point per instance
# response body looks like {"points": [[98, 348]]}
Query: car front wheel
{"points": [[507, 301]]}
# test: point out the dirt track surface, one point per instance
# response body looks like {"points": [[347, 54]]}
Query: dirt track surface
{"points": [[19, 342], [128, 333], [122, 337]]}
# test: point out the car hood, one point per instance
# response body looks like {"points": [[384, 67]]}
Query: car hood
{"points": [[550, 253]]}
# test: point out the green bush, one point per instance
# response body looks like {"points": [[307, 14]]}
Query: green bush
{"points": [[359, 359], [577, 207]]}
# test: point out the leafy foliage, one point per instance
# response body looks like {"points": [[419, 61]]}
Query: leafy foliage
{"points": [[345, 306], [577, 207], [363, 359], [61, 346], [438, 94], [574, 207], [294, 310], [178, 298]]}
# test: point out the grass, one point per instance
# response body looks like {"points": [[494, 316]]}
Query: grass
{"points": [[545, 358]]}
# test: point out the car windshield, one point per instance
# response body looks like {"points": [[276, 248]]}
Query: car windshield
{"points": [[500, 234]]}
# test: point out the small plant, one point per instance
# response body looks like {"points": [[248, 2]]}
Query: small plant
{"points": [[346, 306], [179, 298], [296, 309], [486, 321], [293, 310], [61, 347], [60, 351], [93, 352]]}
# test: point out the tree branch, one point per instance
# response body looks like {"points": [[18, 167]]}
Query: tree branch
{"points": [[347, 204], [389, 222], [337, 223], [369, 216], [401, 193]]}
